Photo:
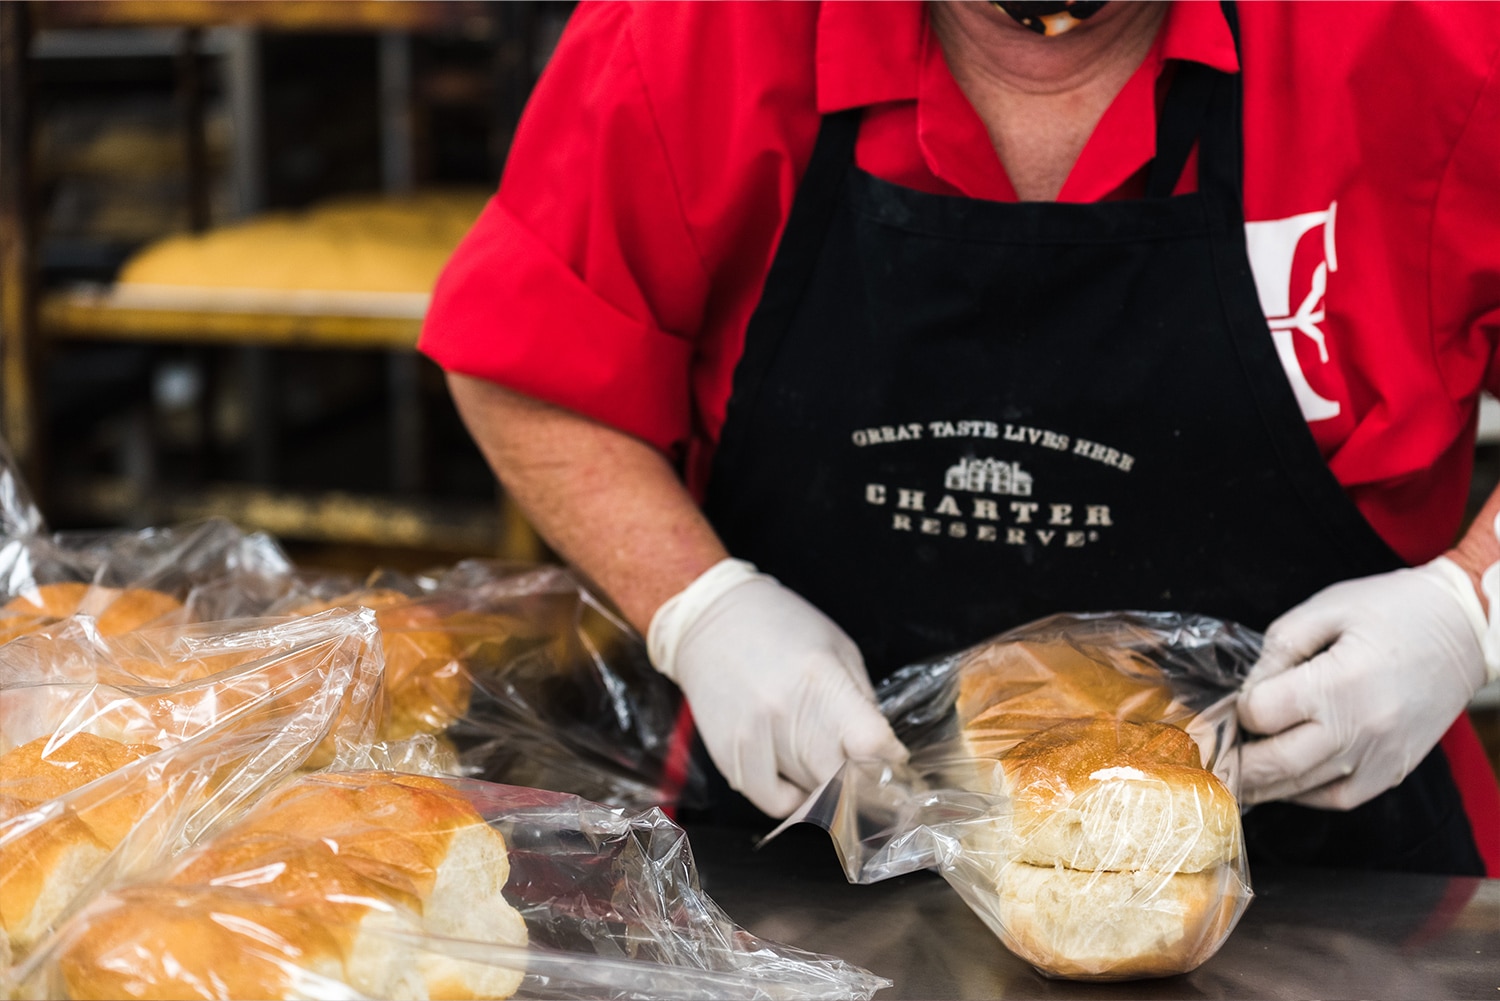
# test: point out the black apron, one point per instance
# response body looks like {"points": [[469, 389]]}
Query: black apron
{"points": [[953, 416]]}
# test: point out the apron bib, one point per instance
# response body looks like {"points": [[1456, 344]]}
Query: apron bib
{"points": [[954, 416]]}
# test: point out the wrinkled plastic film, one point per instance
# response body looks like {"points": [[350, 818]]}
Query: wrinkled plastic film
{"points": [[19, 515], [375, 884], [1076, 781]]}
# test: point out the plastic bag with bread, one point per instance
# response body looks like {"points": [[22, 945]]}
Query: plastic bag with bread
{"points": [[386, 885], [506, 672], [116, 752], [1075, 780], [514, 674], [122, 581]]}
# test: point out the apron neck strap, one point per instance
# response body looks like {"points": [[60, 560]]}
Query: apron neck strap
{"points": [[1203, 108]]}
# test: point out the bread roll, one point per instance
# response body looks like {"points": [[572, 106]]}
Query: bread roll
{"points": [[358, 900], [1109, 794], [1106, 924], [49, 851], [115, 611], [422, 827], [426, 687]]}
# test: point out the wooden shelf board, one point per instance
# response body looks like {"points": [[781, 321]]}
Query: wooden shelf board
{"points": [[467, 16], [320, 516], [62, 316]]}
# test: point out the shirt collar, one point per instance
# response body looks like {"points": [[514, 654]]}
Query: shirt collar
{"points": [[871, 52]]}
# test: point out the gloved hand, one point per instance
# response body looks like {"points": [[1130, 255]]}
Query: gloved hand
{"points": [[1358, 683], [779, 692]]}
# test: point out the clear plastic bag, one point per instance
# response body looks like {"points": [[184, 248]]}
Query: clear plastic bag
{"points": [[516, 674], [124, 580], [1076, 781], [117, 752], [377, 884], [204, 572]]}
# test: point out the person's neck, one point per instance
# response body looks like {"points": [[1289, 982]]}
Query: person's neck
{"points": [[989, 44], [1038, 96]]}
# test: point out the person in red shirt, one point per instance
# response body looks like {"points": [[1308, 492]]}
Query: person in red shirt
{"points": [[828, 338]]}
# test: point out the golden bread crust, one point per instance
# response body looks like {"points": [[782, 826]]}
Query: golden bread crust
{"points": [[35, 773], [403, 821], [157, 942]]}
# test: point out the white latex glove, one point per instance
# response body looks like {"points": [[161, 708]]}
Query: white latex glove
{"points": [[1358, 683], [779, 692]]}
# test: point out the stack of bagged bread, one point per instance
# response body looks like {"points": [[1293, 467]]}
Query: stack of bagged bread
{"points": [[111, 752], [59, 733], [327, 882], [424, 688], [166, 686], [1116, 853]]}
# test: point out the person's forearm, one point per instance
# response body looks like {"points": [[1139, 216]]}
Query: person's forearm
{"points": [[605, 501], [1479, 548]]}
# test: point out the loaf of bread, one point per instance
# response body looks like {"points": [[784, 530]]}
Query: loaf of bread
{"points": [[51, 847], [356, 244], [1118, 854], [314, 881]]}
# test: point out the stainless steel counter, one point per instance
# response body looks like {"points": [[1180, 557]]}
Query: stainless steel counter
{"points": [[1307, 934]]}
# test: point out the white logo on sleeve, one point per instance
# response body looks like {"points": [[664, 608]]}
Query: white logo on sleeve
{"points": [[1273, 247]]}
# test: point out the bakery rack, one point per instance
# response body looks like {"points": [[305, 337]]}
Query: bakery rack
{"points": [[33, 318]]}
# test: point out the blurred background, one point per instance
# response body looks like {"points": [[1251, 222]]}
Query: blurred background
{"points": [[219, 224]]}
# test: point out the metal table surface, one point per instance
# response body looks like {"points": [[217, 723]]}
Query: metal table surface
{"points": [[1311, 933]]}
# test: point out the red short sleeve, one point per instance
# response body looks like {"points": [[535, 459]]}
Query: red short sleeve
{"points": [[580, 283], [509, 310]]}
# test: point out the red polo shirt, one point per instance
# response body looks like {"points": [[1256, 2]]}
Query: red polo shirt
{"points": [[616, 269], [618, 265]]}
